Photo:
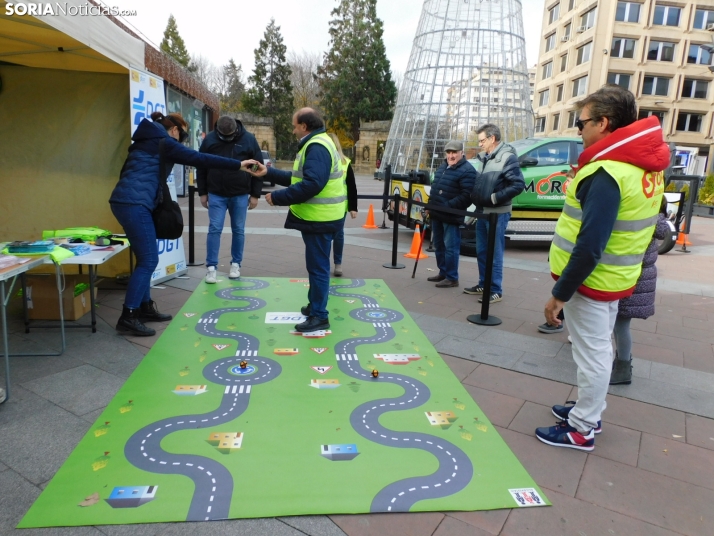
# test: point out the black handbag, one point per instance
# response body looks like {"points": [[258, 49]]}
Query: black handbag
{"points": [[167, 216]]}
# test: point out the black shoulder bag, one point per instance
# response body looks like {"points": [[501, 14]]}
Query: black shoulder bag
{"points": [[167, 216]]}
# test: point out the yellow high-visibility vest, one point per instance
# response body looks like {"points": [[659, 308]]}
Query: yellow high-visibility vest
{"points": [[621, 262]]}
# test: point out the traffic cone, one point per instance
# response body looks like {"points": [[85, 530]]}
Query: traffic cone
{"points": [[683, 239], [370, 219], [414, 251]]}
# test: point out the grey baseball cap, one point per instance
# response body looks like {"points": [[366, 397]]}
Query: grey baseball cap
{"points": [[454, 145]]}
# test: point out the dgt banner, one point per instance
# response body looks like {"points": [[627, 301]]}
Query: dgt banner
{"points": [[147, 96]]}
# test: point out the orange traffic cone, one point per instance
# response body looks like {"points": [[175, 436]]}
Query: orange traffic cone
{"points": [[370, 219], [683, 239], [414, 251]]}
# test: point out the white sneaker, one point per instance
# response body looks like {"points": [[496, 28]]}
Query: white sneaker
{"points": [[235, 271], [211, 275]]}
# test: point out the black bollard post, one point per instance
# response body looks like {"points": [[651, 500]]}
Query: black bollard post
{"points": [[483, 319], [395, 236], [385, 199], [191, 222]]}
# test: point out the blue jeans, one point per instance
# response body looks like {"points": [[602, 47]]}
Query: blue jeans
{"points": [[339, 246], [237, 207], [317, 261], [139, 228], [482, 245], [446, 238]]}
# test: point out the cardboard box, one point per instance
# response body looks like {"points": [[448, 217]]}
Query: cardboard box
{"points": [[43, 299]]}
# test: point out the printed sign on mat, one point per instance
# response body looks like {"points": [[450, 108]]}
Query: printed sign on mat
{"points": [[526, 497]]}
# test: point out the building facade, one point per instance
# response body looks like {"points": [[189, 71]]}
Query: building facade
{"points": [[660, 50]]}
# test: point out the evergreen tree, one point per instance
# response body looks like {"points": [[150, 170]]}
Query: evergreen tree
{"points": [[231, 87], [355, 77], [271, 93], [173, 45]]}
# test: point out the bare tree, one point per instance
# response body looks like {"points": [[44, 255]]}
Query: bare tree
{"points": [[305, 86], [205, 71]]}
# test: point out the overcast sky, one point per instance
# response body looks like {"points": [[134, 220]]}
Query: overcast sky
{"points": [[221, 29]]}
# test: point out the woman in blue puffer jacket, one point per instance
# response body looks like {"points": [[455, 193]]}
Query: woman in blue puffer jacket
{"points": [[641, 304], [135, 197]]}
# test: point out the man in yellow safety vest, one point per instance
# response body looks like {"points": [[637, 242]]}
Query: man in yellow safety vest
{"points": [[608, 219], [318, 201]]}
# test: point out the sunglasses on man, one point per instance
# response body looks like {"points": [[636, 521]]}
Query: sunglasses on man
{"points": [[580, 123]]}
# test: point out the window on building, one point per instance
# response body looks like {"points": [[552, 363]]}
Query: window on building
{"points": [[550, 42], [667, 15], [584, 53], [547, 70], [647, 113], [703, 18], [544, 97], [580, 86], [563, 62], [655, 85], [694, 89], [628, 12], [688, 122], [540, 124], [556, 121], [587, 20], [623, 48], [572, 118], [553, 13], [622, 80], [571, 5], [559, 93], [660, 51], [698, 55], [566, 30]]}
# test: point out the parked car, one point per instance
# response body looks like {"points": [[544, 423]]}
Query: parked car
{"points": [[268, 163]]}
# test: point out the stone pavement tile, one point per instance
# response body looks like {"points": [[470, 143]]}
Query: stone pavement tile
{"points": [[79, 390], [141, 349], [462, 330], [700, 431], [313, 525], [507, 324], [554, 468], [648, 326], [698, 323], [268, 525], [531, 416], [677, 460], [641, 368], [699, 361], [27, 368], [668, 395], [92, 416], [670, 342], [481, 352], [500, 409], [665, 502], [530, 328], [643, 417], [433, 336], [416, 524], [110, 353], [453, 527], [691, 379], [149, 529], [517, 385], [618, 444], [27, 421], [504, 311], [415, 303], [660, 355], [460, 367], [559, 370], [524, 343], [3, 467], [573, 517], [490, 521], [690, 334]]}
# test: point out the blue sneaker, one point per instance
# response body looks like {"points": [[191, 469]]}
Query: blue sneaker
{"points": [[562, 412], [564, 435]]}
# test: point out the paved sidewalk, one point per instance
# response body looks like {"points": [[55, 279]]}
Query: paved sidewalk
{"points": [[652, 469]]}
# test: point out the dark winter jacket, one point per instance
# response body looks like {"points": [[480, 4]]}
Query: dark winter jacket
{"points": [[316, 173], [500, 178], [642, 302], [139, 180], [452, 188], [229, 183], [351, 190]]}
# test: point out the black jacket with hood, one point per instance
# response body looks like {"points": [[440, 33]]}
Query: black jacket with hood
{"points": [[229, 183]]}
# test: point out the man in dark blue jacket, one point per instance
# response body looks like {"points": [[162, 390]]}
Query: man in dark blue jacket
{"points": [[500, 181], [223, 190], [451, 188], [317, 200]]}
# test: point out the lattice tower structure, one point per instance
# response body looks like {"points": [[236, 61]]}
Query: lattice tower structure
{"points": [[467, 67]]}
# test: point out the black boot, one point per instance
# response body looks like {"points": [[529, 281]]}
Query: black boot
{"points": [[313, 324], [129, 321], [306, 310], [148, 312]]}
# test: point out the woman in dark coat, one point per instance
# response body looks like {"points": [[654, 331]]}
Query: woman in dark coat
{"points": [[135, 197], [640, 305]]}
